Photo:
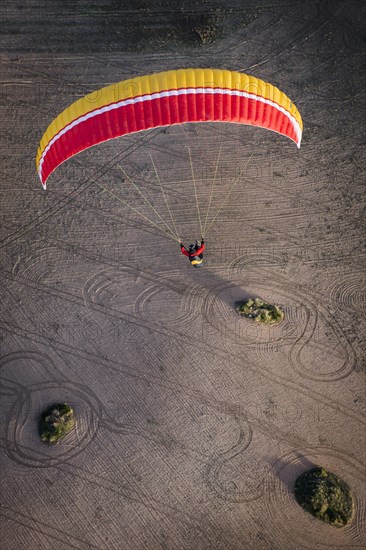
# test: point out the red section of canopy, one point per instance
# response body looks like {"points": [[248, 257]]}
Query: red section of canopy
{"points": [[164, 112]]}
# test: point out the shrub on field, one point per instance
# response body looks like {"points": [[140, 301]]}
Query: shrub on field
{"points": [[55, 422], [260, 311], [325, 496]]}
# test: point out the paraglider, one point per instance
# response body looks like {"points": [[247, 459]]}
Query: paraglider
{"points": [[194, 253], [164, 99]]}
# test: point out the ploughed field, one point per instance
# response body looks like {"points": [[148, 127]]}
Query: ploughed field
{"points": [[192, 422]]}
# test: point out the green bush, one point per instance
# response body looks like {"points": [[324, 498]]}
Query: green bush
{"points": [[325, 496], [260, 311], [55, 422]]}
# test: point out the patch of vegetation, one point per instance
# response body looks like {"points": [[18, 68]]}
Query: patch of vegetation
{"points": [[56, 421], [169, 27], [261, 311], [325, 496], [152, 421]]}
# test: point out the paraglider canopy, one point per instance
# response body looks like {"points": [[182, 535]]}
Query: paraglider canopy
{"points": [[163, 99]]}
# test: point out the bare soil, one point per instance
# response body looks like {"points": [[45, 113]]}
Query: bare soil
{"points": [[193, 423]]}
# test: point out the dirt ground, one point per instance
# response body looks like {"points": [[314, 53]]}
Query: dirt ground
{"points": [[193, 424]]}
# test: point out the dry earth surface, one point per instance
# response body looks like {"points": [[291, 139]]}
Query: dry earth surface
{"points": [[193, 423]]}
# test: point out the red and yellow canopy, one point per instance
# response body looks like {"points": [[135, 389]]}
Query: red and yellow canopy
{"points": [[173, 97]]}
